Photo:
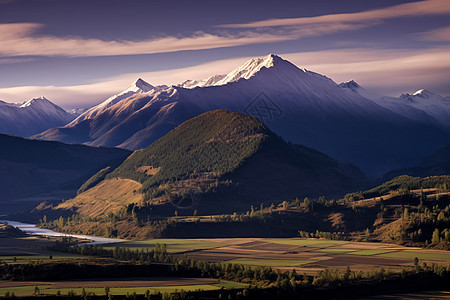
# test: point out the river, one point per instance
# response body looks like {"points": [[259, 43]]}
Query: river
{"points": [[32, 229]]}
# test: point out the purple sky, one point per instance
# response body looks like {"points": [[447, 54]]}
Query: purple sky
{"points": [[77, 53]]}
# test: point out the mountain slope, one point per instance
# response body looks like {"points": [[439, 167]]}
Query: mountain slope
{"points": [[422, 105], [229, 161], [31, 117], [29, 167], [301, 106], [435, 164]]}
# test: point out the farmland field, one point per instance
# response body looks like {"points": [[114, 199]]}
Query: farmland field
{"points": [[306, 255], [117, 286], [173, 245]]}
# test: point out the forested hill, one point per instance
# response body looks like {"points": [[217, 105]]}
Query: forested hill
{"points": [[228, 160]]}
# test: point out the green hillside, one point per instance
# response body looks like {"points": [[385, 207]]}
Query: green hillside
{"points": [[222, 162]]}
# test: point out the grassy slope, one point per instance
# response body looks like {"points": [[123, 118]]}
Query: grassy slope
{"points": [[108, 196]]}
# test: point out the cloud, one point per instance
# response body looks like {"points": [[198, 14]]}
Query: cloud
{"points": [[20, 39], [415, 9], [436, 35], [14, 60], [23, 39], [387, 72]]}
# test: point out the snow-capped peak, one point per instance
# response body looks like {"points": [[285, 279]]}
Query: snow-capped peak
{"points": [[138, 86], [141, 85], [190, 84], [251, 67], [44, 105], [424, 93], [36, 101], [420, 94]]}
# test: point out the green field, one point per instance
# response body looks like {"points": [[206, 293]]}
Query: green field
{"points": [[337, 250], [372, 252], [20, 290], [137, 290], [269, 262], [420, 255], [48, 290], [56, 256], [307, 242], [173, 245], [230, 285]]}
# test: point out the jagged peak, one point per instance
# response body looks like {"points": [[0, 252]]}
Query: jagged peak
{"points": [[423, 93], [36, 100], [142, 85], [350, 84], [253, 66]]}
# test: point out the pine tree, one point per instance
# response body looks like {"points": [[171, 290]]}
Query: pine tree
{"points": [[435, 238]]}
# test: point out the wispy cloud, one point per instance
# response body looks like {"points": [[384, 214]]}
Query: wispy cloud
{"points": [[436, 35], [415, 9], [24, 39], [20, 39], [388, 72]]}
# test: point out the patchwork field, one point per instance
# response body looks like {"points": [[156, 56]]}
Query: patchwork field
{"points": [[116, 286], [305, 255]]}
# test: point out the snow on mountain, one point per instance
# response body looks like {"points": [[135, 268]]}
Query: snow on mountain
{"points": [[31, 117], [190, 84], [137, 87], [433, 104], [300, 105], [422, 105], [77, 111]]}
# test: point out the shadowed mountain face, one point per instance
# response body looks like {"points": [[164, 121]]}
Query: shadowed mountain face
{"points": [[31, 117], [301, 106], [223, 162], [29, 167], [435, 164]]}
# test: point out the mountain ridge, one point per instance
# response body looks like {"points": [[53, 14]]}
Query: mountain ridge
{"points": [[312, 109], [31, 117]]}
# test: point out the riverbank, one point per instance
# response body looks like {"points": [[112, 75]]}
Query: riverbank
{"points": [[33, 230]]}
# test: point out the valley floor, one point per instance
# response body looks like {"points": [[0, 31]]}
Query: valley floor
{"points": [[304, 255]]}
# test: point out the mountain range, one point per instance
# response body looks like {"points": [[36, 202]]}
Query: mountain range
{"points": [[421, 105], [32, 117], [377, 134]]}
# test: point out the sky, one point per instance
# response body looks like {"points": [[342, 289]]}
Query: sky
{"points": [[77, 53]]}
